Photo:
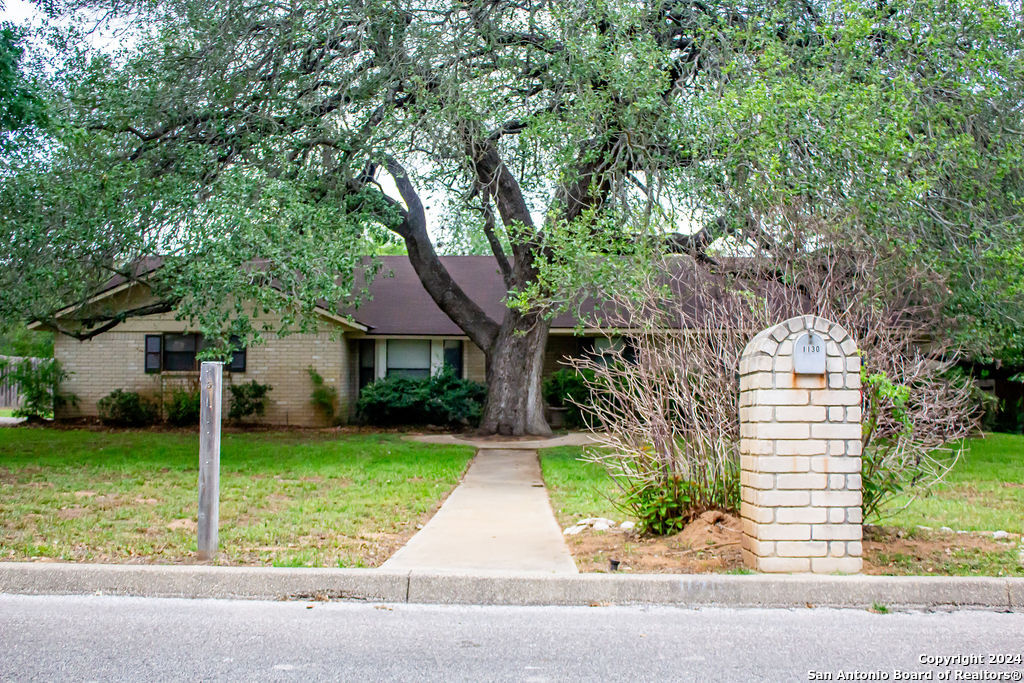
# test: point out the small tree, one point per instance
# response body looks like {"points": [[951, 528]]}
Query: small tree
{"points": [[39, 385]]}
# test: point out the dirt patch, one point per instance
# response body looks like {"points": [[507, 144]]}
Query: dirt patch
{"points": [[21, 477], [711, 543], [83, 494], [146, 501], [889, 550], [184, 524], [71, 513]]}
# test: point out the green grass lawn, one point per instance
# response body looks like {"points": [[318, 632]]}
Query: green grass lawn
{"points": [[578, 489], [983, 492], [287, 498]]}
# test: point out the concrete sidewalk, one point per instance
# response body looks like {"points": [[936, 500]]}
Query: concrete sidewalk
{"points": [[498, 518]]}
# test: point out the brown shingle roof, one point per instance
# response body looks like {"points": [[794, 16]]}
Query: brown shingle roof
{"points": [[398, 303]]}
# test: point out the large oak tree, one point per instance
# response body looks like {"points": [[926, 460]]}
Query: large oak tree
{"points": [[250, 142]]}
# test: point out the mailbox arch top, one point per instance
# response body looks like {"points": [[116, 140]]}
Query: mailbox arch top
{"points": [[782, 337]]}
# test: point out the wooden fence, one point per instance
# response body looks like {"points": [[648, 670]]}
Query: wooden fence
{"points": [[10, 396]]}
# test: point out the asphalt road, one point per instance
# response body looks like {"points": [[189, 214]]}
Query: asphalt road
{"points": [[117, 638]]}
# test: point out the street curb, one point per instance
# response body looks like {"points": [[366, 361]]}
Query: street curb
{"points": [[510, 588]]}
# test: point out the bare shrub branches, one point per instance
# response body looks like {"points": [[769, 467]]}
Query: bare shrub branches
{"points": [[665, 406]]}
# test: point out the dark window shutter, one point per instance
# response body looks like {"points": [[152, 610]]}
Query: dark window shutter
{"points": [[154, 349], [237, 363]]}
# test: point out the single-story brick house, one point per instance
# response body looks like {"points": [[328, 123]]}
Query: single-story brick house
{"points": [[398, 330]]}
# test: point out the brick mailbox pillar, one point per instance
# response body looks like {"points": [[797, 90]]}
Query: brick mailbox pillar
{"points": [[800, 449]]}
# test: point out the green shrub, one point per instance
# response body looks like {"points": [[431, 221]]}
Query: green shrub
{"points": [[39, 385], [440, 400], [183, 407], [567, 389], [127, 409], [665, 505], [323, 398], [249, 398], [453, 401]]}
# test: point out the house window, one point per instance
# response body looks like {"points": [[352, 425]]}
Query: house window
{"points": [[238, 355], [408, 358], [453, 356], [180, 352], [154, 351], [367, 362], [177, 353]]}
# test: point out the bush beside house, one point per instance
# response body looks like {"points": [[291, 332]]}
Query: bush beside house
{"points": [[442, 400], [122, 408]]}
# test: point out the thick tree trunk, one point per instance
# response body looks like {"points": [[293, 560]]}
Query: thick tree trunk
{"points": [[514, 405]]}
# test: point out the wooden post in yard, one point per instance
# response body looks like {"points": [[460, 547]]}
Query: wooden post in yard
{"points": [[209, 457]]}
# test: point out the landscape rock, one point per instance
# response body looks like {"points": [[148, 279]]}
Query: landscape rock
{"points": [[945, 530], [999, 535], [627, 526]]}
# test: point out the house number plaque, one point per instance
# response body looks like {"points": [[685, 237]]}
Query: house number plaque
{"points": [[809, 355]]}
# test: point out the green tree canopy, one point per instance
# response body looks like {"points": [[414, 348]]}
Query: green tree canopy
{"points": [[250, 142]]}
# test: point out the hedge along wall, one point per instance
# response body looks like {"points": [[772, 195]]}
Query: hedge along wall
{"points": [[800, 448]]}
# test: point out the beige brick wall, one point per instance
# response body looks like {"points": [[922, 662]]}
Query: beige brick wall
{"points": [[800, 451], [114, 360]]}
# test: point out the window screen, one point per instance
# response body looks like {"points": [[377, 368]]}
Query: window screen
{"points": [[408, 358], [154, 351], [453, 356]]}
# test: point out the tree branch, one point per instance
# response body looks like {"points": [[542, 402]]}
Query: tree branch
{"points": [[492, 239], [436, 279], [106, 323]]}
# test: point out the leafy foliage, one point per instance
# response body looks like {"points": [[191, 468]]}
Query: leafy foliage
{"points": [[20, 103], [39, 385], [567, 389], [247, 149], [122, 408], [664, 509], [443, 399], [182, 407], [324, 398], [248, 398], [17, 340]]}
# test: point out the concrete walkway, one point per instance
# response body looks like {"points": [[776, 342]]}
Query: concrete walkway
{"points": [[498, 518]]}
